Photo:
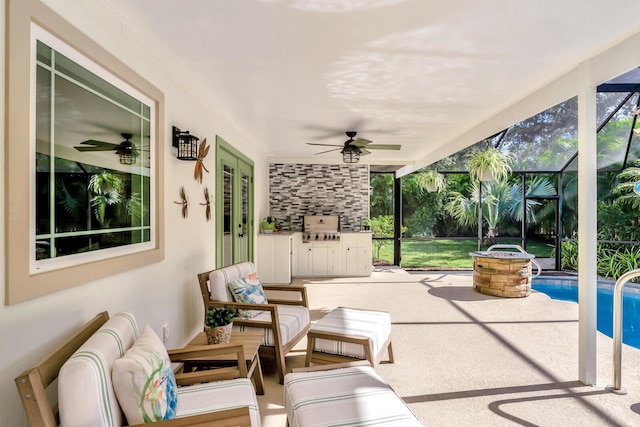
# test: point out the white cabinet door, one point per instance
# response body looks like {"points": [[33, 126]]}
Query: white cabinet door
{"points": [[282, 260], [274, 258], [264, 261], [356, 254], [304, 260], [334, 256], [319, 260]]}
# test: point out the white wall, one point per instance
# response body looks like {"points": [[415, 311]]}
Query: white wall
{"points": [[163, 292]]}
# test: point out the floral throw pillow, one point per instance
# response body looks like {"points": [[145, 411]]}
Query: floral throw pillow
{"points": [[248, 290], [144, 382]]}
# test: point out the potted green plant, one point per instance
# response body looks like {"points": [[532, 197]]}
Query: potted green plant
{"points": [[488, 165], [268, 224], [366, 223], [218, 323], [431, 181]]}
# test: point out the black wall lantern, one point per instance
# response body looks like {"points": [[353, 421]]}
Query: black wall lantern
{"points": [[186, 144]]}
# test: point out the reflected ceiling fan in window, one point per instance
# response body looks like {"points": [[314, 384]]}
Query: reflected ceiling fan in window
{"points": [[127, 151], [352, 148]]}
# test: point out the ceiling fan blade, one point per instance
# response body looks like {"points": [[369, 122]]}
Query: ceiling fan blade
{"points": [[325, 145], [93, 145], [360, 142], [364, 152], [328, 151], [384, 146]]}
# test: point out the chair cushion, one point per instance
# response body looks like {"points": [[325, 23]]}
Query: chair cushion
{"points": [[144, 381], [248, 289], [292, 319], [349, 396], [85, 390], [375, 325], [218, 280], [208, 397]]}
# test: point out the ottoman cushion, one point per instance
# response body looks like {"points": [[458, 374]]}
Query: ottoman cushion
{"points": [[348, 396], [374, 325]]}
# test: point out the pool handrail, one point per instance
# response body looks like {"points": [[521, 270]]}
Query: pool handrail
{"points": [[505, 246], [617, 331]]}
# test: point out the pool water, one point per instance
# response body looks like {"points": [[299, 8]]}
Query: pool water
{"points": [[630, 309]]}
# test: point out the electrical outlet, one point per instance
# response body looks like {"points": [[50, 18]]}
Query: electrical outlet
{"points": [[165, 332]]}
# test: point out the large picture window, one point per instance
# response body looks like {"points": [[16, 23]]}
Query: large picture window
{"points": [[83, 181], [93, 147]]}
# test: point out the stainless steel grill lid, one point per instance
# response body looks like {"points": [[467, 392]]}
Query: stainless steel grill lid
{"points": [[321, 228], [321, 223]]}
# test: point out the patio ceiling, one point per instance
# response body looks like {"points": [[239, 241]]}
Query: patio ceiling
{"points": [[419, 73]]}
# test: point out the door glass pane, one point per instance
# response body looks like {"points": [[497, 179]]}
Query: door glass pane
{"points": [[244, 244], [227, 210]]}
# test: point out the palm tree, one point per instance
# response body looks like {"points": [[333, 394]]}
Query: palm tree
{"points": [[626, 188], [106, 189], [500, 200]]}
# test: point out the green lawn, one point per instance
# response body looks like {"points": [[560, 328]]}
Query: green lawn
{"points": [[444, 253]]}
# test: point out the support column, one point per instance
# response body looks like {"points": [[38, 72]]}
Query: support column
{"points": [[397, 221], [587, 226]]}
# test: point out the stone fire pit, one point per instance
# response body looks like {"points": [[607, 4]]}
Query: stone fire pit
{"points": [[502, 274]]}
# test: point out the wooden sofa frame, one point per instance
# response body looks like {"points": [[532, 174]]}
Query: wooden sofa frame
{"points": [[278, 350], [33, 382]]}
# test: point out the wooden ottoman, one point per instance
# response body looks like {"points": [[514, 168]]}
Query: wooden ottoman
{"points": [[349, 333], [353, 396]]}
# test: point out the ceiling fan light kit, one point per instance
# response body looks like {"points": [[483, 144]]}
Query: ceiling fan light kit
{"points": [[351, 154], [186, 144], [352, 149], [126, 150]]}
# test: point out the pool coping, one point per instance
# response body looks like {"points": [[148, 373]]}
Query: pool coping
{"points": [[571, 280]]}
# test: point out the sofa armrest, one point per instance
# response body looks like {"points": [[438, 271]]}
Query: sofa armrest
{"points": [[243, 306], [227, 417], [207, 375], [338, 336], [202, 354], [300, 290]]}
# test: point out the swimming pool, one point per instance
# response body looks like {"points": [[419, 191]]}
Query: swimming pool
{"points": [[630, 307]]}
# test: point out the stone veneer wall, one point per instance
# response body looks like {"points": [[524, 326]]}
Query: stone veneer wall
{"points": [[296, 190]]}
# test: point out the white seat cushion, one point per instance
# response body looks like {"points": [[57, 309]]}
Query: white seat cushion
{"points": [[208, 397], [375, 325], [293, 319], [353, 396]]}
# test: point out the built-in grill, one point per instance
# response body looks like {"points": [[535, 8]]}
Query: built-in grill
{"points": [[321, 228]]}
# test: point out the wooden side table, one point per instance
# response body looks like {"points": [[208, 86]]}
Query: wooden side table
{"points": [[250, 342]]}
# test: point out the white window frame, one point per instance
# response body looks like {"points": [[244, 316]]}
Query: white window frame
{"points": [[22, 280]]}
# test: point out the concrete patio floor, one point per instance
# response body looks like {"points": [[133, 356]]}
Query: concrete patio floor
{"points": [[466, 359]]}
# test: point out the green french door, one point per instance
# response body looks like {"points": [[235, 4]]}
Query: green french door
{"points": [[234, 205]]}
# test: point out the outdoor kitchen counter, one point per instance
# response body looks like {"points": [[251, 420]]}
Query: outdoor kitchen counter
{"points": [[278, 233]]}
